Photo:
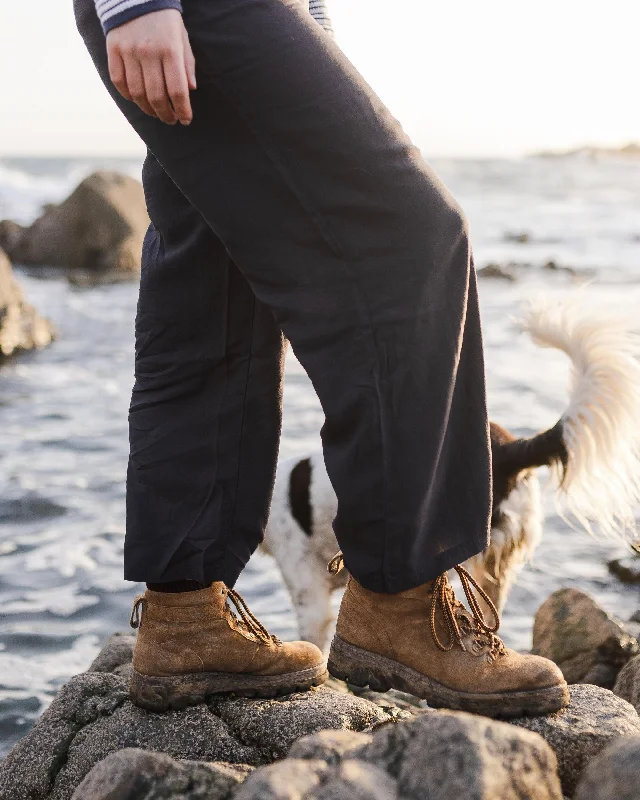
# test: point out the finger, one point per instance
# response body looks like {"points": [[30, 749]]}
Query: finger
{"points": [[135, 83], [175, 75], [117, 73], [189, 60], [157, 90]]}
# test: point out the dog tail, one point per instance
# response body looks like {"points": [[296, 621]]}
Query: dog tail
{"points": [[594, 448]]}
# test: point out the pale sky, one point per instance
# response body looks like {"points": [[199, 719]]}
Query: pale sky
{"points": [[464, 77]]}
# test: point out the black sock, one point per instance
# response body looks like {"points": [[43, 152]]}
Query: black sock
{"points": [[176, 586]]}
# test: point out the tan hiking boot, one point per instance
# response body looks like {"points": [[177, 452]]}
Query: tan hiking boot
{"points": [[191, 645], [424, 641]]}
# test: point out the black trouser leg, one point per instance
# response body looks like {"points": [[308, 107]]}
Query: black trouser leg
{"points": [[345, 233], [205, 414]]}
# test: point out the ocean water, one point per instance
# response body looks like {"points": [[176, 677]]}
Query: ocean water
{"points": [[63, 411]]}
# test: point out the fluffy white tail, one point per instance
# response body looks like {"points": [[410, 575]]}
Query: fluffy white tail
{"points": [[601, 426]]}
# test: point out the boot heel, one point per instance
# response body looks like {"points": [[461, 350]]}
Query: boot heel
{"points": [[162, 694], [354, 670]]}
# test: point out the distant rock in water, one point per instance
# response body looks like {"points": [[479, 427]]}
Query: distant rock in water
{"points": [[498, 271], [627, 568], [514, 270], [20, 326], [99, 227]]}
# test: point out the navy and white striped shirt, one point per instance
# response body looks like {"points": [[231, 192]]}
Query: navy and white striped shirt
{"points": [[116, 12]]}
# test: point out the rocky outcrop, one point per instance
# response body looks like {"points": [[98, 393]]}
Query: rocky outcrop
{"points": [[325, 744], [99, 227], [628, 683], [587, 643], [593, 720], [21, 328], [614, 774], [92, 718], [133, 774]]}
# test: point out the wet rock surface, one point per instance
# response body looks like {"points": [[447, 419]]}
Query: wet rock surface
{"points": [[21, 328], [614, 774], [99, 227], [593, 720], [587, 643]]}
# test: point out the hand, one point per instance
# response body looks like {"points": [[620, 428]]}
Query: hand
{"points": [[152, 64]]}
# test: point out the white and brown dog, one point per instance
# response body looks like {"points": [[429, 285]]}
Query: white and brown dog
{"points": [[593, 452]]}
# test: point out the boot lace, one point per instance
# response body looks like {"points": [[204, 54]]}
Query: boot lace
{"points": [[247, 619], [459, 621], [136, 612]]}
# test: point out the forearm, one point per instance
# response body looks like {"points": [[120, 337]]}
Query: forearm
{"points": [[116, 12]]}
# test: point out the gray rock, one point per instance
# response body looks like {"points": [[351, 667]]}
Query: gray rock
{"points": [[614, 774], [291, 779], [628, 684], [594, 719], [451, 755], [116, 652], [497, 271], [132, 774], [274, 725], [100, 226], [20, 326], [30, 769], [356, 780], [330, 746], [92, 717], [587, 643], [627, 568]]}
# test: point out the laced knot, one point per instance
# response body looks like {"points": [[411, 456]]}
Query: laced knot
{"points": [[247, 619], [336, 563], [459, 621], [136, 612]]}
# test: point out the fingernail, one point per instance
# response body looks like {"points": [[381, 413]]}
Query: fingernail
{"points": [[185, 122]]}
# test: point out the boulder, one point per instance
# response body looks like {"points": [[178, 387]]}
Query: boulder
{"points": [[627, 568], [587, 643], [594, 719], [628, 684], [131, 774], [100, 226], [92, 717], [614, 774], [450, 755], [20, 326]]}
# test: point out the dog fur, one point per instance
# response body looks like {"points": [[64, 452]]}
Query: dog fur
{"points": [[593, 452]]}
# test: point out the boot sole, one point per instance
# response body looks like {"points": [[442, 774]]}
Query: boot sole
{"points": [[179, 691], [364, 668]]}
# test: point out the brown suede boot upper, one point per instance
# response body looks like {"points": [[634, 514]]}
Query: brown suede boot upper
{"points": [[470, 658], [192, 632]]}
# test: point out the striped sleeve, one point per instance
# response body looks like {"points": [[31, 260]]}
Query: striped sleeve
{"points": [[318, 10], [116, 12]]}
